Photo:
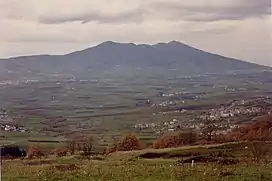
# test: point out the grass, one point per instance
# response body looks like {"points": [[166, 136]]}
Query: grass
{"points": [[5, 142], [135, 170], [129, 166]]}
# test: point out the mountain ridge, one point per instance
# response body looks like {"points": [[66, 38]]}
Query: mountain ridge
{"points": [[105, 57], [109, 42]]}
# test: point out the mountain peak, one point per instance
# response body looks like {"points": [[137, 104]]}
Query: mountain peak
{"points": [[113, 43], [108, 43], [174, 42]]}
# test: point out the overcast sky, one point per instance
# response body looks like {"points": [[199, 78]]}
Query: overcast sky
{"points": [[235, 28]]}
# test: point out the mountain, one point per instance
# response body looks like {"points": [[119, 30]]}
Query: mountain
{"points": [[109, 56]]}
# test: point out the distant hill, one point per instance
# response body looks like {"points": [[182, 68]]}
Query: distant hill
{"points": [[125, 56]]}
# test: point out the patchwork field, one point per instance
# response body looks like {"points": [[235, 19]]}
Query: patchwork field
{"points": [[106, 106]]}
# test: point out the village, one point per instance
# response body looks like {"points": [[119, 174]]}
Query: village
{"points": [[13, 128], [177, 125], [221, 117], [8, 125]]}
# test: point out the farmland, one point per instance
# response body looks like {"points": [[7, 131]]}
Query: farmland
{"points": [[106, 106]]}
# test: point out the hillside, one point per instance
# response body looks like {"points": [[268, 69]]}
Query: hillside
{"points": [[123, 166], [111, 56]]}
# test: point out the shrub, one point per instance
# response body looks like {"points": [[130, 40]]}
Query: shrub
{"points": [[111, 149], [220, 138], [71, 146], [60, 152], [175, 139], [87, 145], [127, 143], [234, 136], [84, 144], [258, 131], [35, 152], [259, 151]]}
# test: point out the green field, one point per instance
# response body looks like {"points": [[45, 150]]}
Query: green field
{"points": [[124, 166], [106, 108]]}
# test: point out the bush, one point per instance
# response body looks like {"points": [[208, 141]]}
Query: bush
{"points": [[220, 138], [176, 139], [127, 143], [60, 152], [259, 151], [35, 152], [87, 145], [111, 149], [234, 136], [258, 131], [71, 146]]}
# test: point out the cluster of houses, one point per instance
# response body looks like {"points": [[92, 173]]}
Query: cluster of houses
{"points": [[182, 95], [170, 112], [161, 94], [12, 128], [5, 82], [6, 123], [226, 113], [18, 82], [159, 128], [221, 117], [3, 113], [166, 104], [222, 127], [175, 125], [142, 126], [248, 108]]}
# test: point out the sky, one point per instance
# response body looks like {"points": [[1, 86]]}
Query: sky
{"points": [[236, 28]]}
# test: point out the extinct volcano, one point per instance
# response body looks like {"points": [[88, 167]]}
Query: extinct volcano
{"points": [[110, 55]]}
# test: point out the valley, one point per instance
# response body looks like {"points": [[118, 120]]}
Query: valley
{"points": [[108, 106]]}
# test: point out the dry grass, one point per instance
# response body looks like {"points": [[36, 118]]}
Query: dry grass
{"points": [[135, 170], [124, 166]]}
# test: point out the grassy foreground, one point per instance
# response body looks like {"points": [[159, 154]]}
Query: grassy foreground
{"points": [[129, 166], [135, 171]]}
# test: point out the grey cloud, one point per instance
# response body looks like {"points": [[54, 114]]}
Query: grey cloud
{"points": [[214, 31], [135, 16], [241, 9], [46, 39]]}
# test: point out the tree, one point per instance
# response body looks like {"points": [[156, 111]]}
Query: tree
{"points": [[209, 128], [60, 152], [35, 151], [175, 139], [261, 130], [71, 146], [127, 143], [86, 145], [259, 151]]}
